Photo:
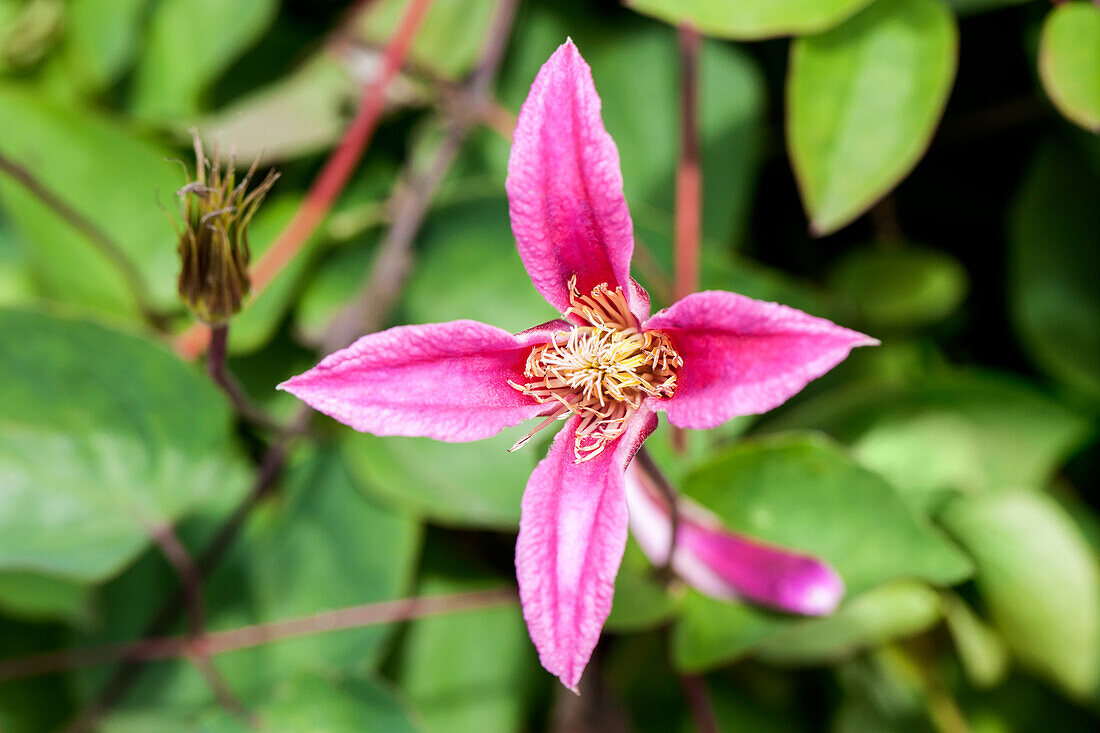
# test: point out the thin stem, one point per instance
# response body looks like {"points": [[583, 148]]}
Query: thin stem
{"points": [[91, 231], [177, 556], [334, 175], [221, 642], [695, 691], [653, 472], [219, 373], [688, 212]]}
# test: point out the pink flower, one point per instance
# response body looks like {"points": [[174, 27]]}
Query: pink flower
{"points": [[606, 368]]}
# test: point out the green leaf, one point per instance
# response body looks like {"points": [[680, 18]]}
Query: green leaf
{"points": [[897, 609], [190, 43], [1069, 62], [972, 7], [463, 484], [108, 174], [806, 493], [35, 596], [981, 650], [103, 435], [318, 545], [751, 19], [970, 431], [900, 288], [449, 40], [101, 39], [642, 601], [1040, 580], [467, 672], [862, 103], [1054, 302]]}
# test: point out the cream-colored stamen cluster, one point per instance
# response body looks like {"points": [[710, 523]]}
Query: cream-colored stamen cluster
{"points": [[601, 371]]}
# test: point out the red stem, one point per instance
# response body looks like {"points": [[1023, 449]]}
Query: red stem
{"points": [[333, 177]]}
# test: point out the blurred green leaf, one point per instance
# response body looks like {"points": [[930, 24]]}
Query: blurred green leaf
{"points": [[39, 703], [804, 492], [299, 114], [1055, 304], [862, 103], [641, 601], [900, 288], [1069, 61], [981, 650], [969, 7], [104, 435], [467, 672], [1040, 580], [35, 596], [190, 43], [463, 484], [316, 546], [751, 19], [896, 609], [972, 431], [108, 174], [101, 39], [449, 40]]}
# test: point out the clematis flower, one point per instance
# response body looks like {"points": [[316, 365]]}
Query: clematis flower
{"points": [[606, 368]]}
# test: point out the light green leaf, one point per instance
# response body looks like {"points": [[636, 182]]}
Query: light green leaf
{"points": [[642, 601], [101, 39], [108, 174], [1040, 580], [464, 484], [981, 650], [467, 672], [862, 103], [103, 435], [1055, 304], [1069, 61], [900, 288], [190, 43], [316, 546], [969, 431], [750, 19], [449, 40], [970, 7], [804, 492], [897, 609]]}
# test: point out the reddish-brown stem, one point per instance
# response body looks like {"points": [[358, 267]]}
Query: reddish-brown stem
{"points": [[688, 212], [177, 556], [334, 175], [695, 691], [219, 373], [220, 642]]}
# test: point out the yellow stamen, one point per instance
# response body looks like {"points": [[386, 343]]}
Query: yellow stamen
{"points": [[601, 371]]}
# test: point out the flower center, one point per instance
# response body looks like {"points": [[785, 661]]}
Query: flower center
{"points": [[601, 371]]}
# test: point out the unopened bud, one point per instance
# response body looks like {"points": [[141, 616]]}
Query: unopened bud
{"points": [[213, 245]]}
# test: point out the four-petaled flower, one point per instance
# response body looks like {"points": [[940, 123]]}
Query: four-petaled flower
{"points": [[606, 367]]}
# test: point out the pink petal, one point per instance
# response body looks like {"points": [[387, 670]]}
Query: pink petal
{"points": [[725, 565], [572, 533], [565, 188], [447, 381], [744, 356]]}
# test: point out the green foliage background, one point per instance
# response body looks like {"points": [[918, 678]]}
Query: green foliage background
{"points": [[926, 171]]}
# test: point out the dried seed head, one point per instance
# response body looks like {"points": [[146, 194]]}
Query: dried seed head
{"points": [[213, 246]]}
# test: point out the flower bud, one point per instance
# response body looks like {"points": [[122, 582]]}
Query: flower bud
{"points": [[213, 246]]}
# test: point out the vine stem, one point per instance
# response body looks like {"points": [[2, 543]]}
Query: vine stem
{"points": [[695, 691], [244, 637], [334, 175], [688, 211], [107, 246]]}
